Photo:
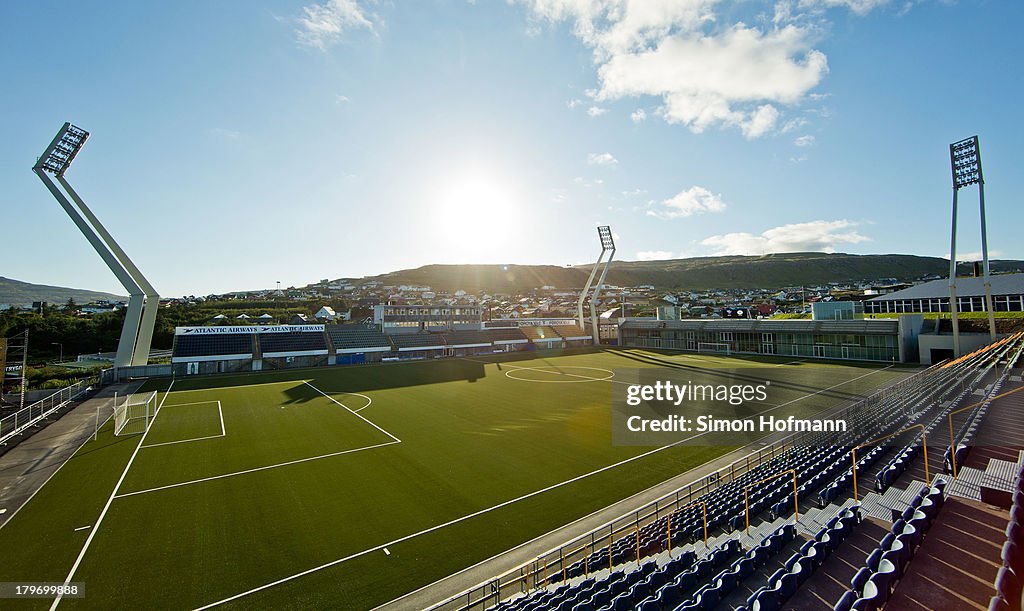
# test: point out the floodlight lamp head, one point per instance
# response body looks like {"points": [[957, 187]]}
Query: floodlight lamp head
{"points": [[57, 157], [605, 233], [965, 158]]}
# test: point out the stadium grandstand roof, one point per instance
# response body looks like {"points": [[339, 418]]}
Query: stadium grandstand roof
{"points": [[882, 326], [1002, 284]]}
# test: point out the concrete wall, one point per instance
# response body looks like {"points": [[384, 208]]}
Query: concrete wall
{"points": [[969, 342]]}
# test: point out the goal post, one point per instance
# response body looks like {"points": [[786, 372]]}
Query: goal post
{"points": [[720, 348], [134, 415]]}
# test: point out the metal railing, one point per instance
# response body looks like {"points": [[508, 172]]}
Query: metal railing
{"points": [[31, 414], [115, 375], [901, 396]]}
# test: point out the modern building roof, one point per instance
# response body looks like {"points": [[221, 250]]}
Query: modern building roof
{"points": [[1002, 284], [740, 325]]}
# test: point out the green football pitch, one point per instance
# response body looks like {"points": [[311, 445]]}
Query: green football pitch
{"points": [[348, 487]]}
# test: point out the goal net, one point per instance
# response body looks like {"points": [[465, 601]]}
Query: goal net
{"points": [[713, 347], [134, 415]]}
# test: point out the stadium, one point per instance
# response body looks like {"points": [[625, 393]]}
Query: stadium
{"points": [[742, 418], [432, 459]]}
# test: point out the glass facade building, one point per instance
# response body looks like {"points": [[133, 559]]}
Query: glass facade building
{"points": [[861, 340]]}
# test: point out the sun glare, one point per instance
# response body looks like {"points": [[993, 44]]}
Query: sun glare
{"points": [[476, 212]]}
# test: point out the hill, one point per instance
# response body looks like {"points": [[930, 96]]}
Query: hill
{"points": [[699, 273], [18, 293]]}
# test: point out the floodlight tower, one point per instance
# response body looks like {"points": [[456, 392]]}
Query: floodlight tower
{"points": [[143, 300], [965, 161], [604, 232]]}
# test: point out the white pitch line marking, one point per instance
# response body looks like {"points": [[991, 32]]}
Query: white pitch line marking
{"points": [[296, 382], [192, 403], [554, 369], [83, 527], [357, 415], [484, 511], [274, 466], [223, 433], [106, 507], [386, 552], [445, 524], [254, 470]]}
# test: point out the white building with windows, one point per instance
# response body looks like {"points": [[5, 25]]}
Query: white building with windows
{"points": [[1007, 296]]}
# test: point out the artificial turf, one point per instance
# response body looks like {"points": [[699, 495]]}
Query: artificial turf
{"points": [[471, 438]]}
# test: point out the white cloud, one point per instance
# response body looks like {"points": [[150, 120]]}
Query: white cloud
{"points": [[341, 99], [606, 159], [792, 125], [803, 141], [761, 121], [813, 236], [706, 81], [573, 103], [695, 200], [323, 24], [974, 256], [653, 255], [706, 74], [638, 115], [596, 111]]}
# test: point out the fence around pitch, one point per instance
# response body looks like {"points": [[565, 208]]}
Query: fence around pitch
{"points": [[29, 415], [536, 573], [123, 374]]}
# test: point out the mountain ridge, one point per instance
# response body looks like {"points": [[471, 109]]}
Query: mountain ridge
{"points": [[697, 273], [21, 294]]}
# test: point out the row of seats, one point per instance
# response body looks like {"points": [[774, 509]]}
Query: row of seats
{"points": [[570, 331], [726, 508], [466, 338], [872, 585], [622, 590], [417, 340], [1010, 579], [505, 335], [783, 584], [291, 342], [896, 466], [213, 344], [348, 337], [724, 583], [541, 333]]}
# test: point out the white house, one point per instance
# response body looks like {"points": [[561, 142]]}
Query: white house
{"points": [[326, 313]]}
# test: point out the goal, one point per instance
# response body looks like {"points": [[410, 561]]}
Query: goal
{"points": [[134, 415], [714, 347]]}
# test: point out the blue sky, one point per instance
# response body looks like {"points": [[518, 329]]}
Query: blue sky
{"points": [[235, 144]]}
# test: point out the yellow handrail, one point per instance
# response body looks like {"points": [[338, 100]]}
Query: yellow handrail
{"points": [[952, 442]]}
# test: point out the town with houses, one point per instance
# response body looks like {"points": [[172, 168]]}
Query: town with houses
{"points": [[645, 301]]}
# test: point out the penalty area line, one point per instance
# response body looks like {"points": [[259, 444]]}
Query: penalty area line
{"points": [[254, 470]]}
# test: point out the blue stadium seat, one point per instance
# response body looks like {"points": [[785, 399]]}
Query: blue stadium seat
{"points": [[846, 602]]}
